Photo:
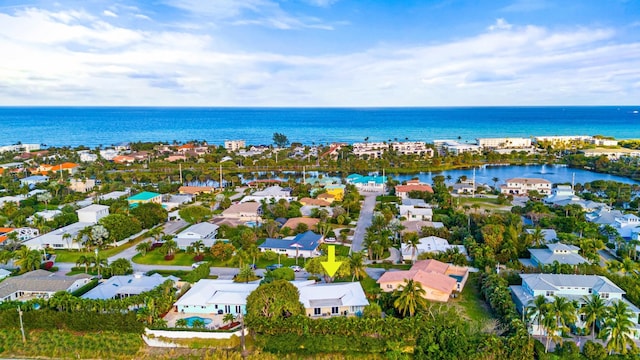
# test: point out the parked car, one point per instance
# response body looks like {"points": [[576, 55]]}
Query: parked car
{"points": [[273, 267], [295, 268], [195, 265]]}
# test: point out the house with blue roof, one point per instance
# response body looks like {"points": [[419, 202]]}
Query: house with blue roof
{"points": [[368, 183], [305, 244]]}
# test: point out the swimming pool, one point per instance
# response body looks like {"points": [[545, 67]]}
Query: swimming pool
{"points": [[191, 320]]}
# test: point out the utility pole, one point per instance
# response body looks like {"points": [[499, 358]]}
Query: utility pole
{"points": [[180, 167], [24, 339], [220, 177]]}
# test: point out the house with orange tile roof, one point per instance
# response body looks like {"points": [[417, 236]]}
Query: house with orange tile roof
{"points": [[439, 280], [196, 190], [330, 198], [294, 222], [403, 191], [124, 159], [45, 169], [316, 202]]}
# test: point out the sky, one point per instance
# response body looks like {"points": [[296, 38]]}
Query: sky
{"points": [[319, 53]]}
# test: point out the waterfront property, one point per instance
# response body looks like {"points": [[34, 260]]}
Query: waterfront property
{"points": [[403, 191], [334, 299], [305, 245], [571, 287], [368, 183], [439, 280], [522, 186], [234, 145], [504, 143], [39, 284], [412, 212]]}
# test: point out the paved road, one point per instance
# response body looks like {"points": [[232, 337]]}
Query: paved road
{"points": [[364, 221], [605, 257], [173, 227]]}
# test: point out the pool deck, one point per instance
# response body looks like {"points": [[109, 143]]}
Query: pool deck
{"points": [[173, 316]]}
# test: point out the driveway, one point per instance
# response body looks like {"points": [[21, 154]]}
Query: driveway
{"points": [[172, 227], [364, 221]]}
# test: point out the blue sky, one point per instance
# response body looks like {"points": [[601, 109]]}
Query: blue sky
{"points": [[320, 52]]}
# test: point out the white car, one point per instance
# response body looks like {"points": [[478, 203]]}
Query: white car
{"points": [[295, 268]]}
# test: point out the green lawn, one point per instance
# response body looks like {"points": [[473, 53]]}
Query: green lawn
{"points": [[370, 286], [181, 258], [71, 256], [470, 301]]}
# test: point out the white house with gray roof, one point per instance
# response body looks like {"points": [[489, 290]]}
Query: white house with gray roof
{"points": [[571, 287], [562, 253], [206, 232], [123, 286], [39, 284], [334, 299]]}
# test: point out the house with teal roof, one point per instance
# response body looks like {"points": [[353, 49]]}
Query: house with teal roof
{"points": [[143, 198], [368, 183]]}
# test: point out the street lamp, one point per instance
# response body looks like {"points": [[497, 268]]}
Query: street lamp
{"points": [[24, 339]]}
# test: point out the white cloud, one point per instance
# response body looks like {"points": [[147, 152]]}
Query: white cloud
{"points": [[74, 58], [109, 13], [500, 24]]}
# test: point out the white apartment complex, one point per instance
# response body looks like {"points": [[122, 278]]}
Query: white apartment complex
{"points": [[373, 150], [454, 147], [412, 148], [234, 145], [504, 143]]}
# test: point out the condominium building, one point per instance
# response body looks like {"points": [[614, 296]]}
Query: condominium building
{"points": [[522, 186], [234, 145]]}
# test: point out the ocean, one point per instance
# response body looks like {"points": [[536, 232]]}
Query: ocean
{"points": [[95, 126]]}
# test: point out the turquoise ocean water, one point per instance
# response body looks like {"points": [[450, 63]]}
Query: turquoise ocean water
{"points": [[93, 126]]}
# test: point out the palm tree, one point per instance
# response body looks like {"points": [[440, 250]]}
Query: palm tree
{"points": [[67, 237], [198, 246], [84, 260], [121, 266], [356, 262], [228, 318], [594, 310], [27, 259], [181, 323], [413, 240], [410, 298], [156, 233], [564, 312], [246, 273], [143, 247], [495, 181], [537, 237], [537, 309], [169, 247], [617, 328]]}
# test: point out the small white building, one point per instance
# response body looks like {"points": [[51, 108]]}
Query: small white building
{"points": [[410, 212], [522, 186], [504, 143], [429, 244], [92, 213], [205, 232]]}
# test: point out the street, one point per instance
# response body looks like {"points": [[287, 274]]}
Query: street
{"points": [[364, 221]]}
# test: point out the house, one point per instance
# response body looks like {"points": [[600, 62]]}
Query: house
{"points": [[250, 211], [439, 280], [417, 225], [429, 244], [310, 201], [410, 212], [23, 233], [326, 197], [19, 148], [305, 245], [123, 286], [143, 198], [47, 215], [571, 287], [334, 299], [323, 181], [4, 273], [92, 213], [45, 169], [336, 190], [604, 216], [308, 210], [522, 186], [14, 199], [39, 284], [294, 222], [64, 237], [216, 297], [561, 193], [82, 185], [114, 195], [234, 145], [562, 253], [628, 226], [86, 156], [550, 235], [108, 154], [272, 193], [196, 190], [611, 154], [123, 159], [206, 232], [368, 183], [33, 180], [403, 191]]}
